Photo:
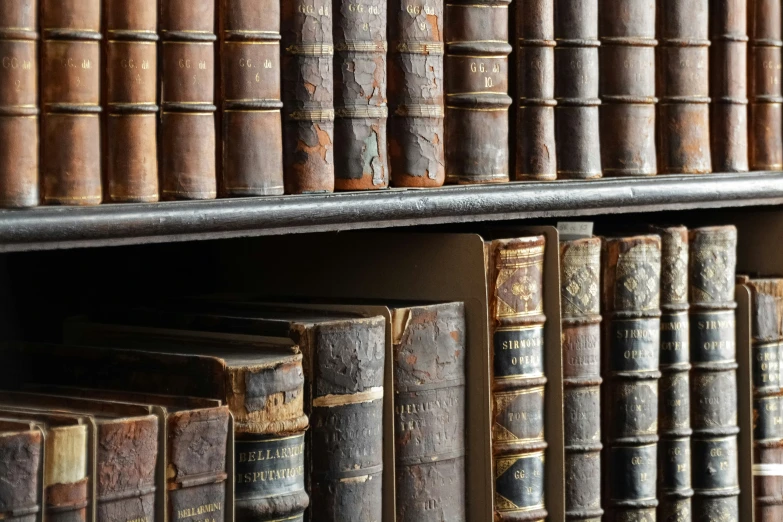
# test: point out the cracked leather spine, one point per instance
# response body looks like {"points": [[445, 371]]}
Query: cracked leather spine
{"points": [[21, 463]]}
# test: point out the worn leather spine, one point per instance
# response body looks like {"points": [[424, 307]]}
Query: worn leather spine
{"points": [[712, 263], [131, 85], [188, 135], [764, 85], [308, 96], [627, 86], [21, 462], [250, 118], [577, 134], [361, 157], [683, 87], [728, 85], [518, 381], [416, 141], [429, 412], [70, 95], [631, 347], [580, 272], [19, 108], [477, 100]]}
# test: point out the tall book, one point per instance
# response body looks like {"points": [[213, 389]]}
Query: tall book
{"points": [[71, 96], [627, 65], [577, 135], [631, 347], [188, 135], [714, 467], [477, 100], [19, 104], [21, 466]]}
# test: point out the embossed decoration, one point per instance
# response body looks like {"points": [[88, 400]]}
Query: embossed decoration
{"points": [[674, 267], [713, 264], [519, 282], [638, 279], [580, 276]]}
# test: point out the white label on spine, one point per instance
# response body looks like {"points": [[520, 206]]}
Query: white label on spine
{"points": [[570, 230], [768, 470]]}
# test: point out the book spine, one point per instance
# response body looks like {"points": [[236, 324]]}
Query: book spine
{"points": [[764, 84], [416, 149], [714, 449], [728, 85], [477, 100], [131, 84], [631, 348], [518, 379], [70, 94], [627, 86], [187, 169], [68, 484], [21, 458], [429, 413], [19, 104], [580, 269], [308, 125], [250, 119], [576, 90], [683, 87], [361, 158]]}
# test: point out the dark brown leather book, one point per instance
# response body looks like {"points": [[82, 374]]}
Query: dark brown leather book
{"points": [[516, 271], [714, 468], [631, 346], [416, 147], [627, 29], [477, 100], [728, 85], [187, 138], [250, 121], [361, 158], [764, 85], [683, 87], [70, 95], [580, 272], [19, 104], [577, 135], [308, 125], [131, 84], [21, 466]]}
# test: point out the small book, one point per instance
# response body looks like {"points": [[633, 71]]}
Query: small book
{"points": [[22, 469]]}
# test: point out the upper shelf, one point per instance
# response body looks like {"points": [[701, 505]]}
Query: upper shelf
{"points": [[68, 227]]}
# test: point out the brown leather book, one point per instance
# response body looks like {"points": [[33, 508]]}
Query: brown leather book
{"points": [[70, 95], [477, 100], [627, 29], [21, 466], [251, 128], [361, 158], [764, 85], [19, 104], [188, 135], [416, 148], [535, 132], [577, 135], [683, 87], [308, 125], [131, 85]]}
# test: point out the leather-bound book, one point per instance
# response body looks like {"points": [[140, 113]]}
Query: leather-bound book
{"points": [[131, 85], [477, 100], [250, 120], [728, 85], [308, 125], [21, 466], [518, 381], [416, 140], [627, 29], [714, 467], [683, 87], [19, 104], [70, 95], [187, 137], [535, 132], [361, 158], [580, 271], [577, 135], [764, 85], [629, 409]]}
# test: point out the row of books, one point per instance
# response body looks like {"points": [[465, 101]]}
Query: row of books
{"points": [[233, 113]]}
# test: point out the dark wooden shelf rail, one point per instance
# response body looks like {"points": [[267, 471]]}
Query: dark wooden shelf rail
{"points": [[69, 227]]}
